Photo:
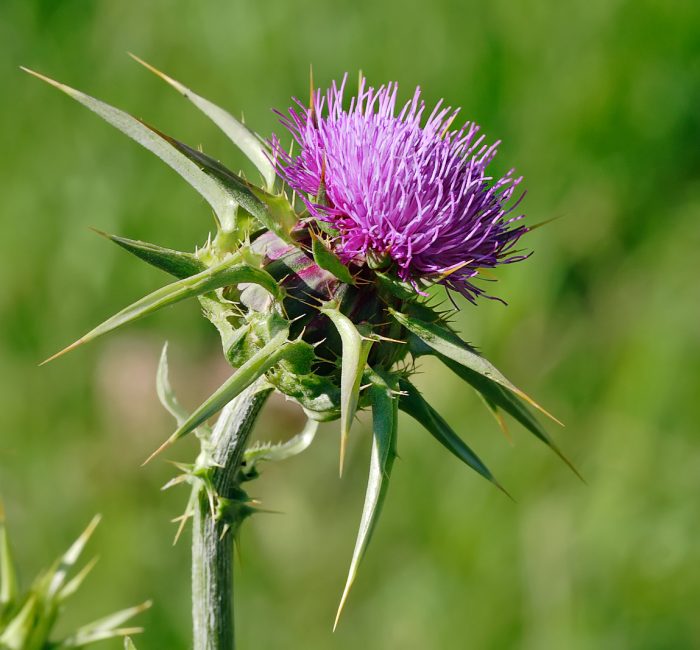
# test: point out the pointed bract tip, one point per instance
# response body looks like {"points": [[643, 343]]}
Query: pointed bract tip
{"points": [[65, 350], [568, 462], [144, 606], [48, 80], [343, 599], [90, 529], [99, 232], [572, 467], [169, 80], [540, 408], [145, 64], [502, 489], [503, 426], [160, 449]]}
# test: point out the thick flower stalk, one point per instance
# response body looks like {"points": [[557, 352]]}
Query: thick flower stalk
{"points": [[318, 280]]}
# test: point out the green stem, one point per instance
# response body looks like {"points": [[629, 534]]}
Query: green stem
{"points": [[212, 550]]}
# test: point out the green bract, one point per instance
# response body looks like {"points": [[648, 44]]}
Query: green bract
{"points": [[333, 337]]}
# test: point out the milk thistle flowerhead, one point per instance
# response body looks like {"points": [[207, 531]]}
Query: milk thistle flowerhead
{"points": [[317, 277], [399, 189]]}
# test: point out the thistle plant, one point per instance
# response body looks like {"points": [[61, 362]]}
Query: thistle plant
{"points": [[323, 278], [27, 619]]}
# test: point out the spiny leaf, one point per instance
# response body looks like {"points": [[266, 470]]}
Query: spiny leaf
{"points": [[272, 210], [328, 260], [105, 628], [413, 403], [384, 421], [450, 346], [167, 398], [258, 364], [177, 263], [8, 572], [354, 359], [220, 198], [237, 132], [282, 450], [230, 271], [509, 403]]}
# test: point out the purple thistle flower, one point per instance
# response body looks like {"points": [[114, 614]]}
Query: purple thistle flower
{"points": [[396, 191]]}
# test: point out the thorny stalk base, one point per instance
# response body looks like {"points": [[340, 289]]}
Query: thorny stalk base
{"points": [[212, 541]]}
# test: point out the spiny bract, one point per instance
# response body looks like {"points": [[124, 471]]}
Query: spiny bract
{"points": [[322, 295]]}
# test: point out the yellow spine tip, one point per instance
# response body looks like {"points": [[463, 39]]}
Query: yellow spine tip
{"points": [[65, 350], [164, 446]]}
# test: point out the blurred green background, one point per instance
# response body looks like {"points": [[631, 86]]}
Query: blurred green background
{"points": [[597, 104]]}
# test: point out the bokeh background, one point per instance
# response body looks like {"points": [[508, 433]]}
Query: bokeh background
{"points": [[597, 104]]}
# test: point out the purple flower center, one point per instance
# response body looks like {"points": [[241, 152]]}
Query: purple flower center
{"points": [[418, 196]]}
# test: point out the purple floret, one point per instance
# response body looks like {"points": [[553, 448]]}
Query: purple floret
{"points": [[417, 196]]}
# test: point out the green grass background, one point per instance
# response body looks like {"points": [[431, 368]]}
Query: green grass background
{"points": [[597, 104]]}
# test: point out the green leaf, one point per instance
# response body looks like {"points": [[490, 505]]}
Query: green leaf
{"points": [[413, 403], [129, 644], [219, 197], [268, 451], [258, 364], [450, 346], [328, 260], [177, 263], [237, 132], [273, 211], [384, 422], [229, 272], [167, 398], [8, 572], [354, 359], [105, 628], [506, 401]]}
